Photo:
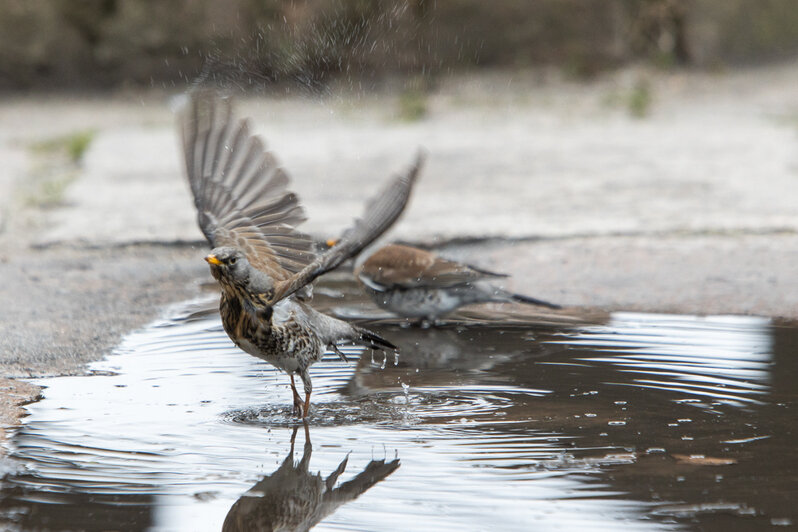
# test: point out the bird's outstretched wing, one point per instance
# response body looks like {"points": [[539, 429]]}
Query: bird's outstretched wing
{"points": [[381, 212], [240, 191], [397, 266]]}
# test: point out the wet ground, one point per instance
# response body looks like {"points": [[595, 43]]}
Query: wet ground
{"points": [[499, 419]]}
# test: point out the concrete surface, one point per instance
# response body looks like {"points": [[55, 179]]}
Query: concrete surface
{"points": [[692, 208], [509, 158]]}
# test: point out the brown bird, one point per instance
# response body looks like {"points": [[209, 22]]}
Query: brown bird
{"points": [[292, 498], [263, 264], [414, 283]]}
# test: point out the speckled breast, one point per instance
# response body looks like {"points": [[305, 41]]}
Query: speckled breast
{"points": [[286, 345]]}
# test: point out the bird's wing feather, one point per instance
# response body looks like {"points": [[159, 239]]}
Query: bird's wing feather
{"points": [[240, 191], [381, 212]]}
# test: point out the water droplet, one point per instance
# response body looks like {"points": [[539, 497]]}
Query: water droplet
{"points": [[406, 390], [655, 450], [616, 423], [590, 415]]}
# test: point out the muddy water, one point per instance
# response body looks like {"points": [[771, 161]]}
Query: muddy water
{"points": [[641, 422]]}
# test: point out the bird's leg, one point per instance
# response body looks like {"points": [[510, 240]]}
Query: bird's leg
{"points": [[293, 439], [307, 405], [308, 388], [308, 449], [298, 405]]}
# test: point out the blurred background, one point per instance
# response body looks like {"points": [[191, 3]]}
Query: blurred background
{"points": [[106, 44]]}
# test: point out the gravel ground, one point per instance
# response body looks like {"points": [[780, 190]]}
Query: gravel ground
{"points": [[691, 208]]}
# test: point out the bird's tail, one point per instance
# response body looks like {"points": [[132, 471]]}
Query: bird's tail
{"points": [[532, 301], [370, 339], [333, 331]]}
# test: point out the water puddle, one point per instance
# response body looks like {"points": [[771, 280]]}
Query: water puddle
{"points": [[645, 422]]}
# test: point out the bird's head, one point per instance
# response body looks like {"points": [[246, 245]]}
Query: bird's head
{"points": [[229, 266], [234, 272]]}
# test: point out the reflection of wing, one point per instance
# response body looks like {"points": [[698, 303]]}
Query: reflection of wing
{"points": [[375, 471], [381, 212], [240, 191], [397, 266], [293, 499]]}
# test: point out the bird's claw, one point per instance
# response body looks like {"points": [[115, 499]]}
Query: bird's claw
{"points": [[299, 406]]}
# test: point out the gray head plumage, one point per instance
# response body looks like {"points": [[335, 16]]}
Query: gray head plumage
{"points": [[231, 267], [229, 264]]}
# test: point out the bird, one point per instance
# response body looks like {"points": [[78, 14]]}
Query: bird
{"points": [[292, 498], [263, 264], [415, 283]]}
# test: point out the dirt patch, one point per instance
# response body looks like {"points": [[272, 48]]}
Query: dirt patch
{"points": [[13, 395]]}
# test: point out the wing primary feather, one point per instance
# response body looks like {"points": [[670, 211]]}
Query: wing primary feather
{"points": [[381, 212], [240, 191]]}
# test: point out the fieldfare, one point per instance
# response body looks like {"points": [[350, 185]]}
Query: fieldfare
{"points": [[414, 283], [262, 262]]}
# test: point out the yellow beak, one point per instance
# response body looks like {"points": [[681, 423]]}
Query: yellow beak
{"points": [[211, 259], [331, 242]]}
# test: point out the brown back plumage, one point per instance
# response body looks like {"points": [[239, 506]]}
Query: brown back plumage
{"points": [[398, 266]]}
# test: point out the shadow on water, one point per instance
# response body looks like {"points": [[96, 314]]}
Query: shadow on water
{"points": [[641, 422]]}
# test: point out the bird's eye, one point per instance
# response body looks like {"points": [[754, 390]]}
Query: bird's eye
{"points": [[233, 260]]}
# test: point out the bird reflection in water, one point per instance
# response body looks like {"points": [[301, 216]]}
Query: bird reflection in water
{"points": [[292, 498]]}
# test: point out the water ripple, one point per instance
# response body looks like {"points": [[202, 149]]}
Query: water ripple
{"points": [[725, 359], [494, 428]]}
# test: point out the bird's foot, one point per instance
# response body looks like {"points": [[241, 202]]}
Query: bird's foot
{"points": [[299, 407], [338, 352]]}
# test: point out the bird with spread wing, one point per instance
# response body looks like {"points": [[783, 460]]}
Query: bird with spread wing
{"points": [[263, 264]]}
